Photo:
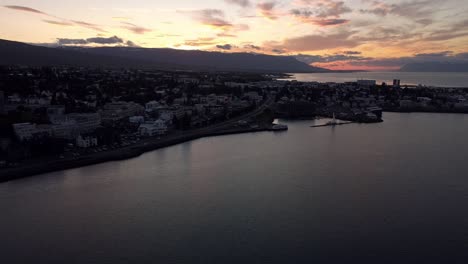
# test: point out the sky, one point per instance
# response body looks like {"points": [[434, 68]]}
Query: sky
{"points": [[341, 35]]}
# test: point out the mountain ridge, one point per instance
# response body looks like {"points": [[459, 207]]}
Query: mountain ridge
{"points": [[18, 53]]}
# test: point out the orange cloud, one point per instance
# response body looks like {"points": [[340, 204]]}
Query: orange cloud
{"points": [[58, 23], [267, 9]]}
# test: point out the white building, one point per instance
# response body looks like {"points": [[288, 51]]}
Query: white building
{"points": [[26, 131], [86, 142], [254, 96], [120, 110], [157, 127], [86, 122], [65, 130]]}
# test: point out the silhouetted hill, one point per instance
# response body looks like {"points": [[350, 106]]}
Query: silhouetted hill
{"points": [[17, 53], [436, 67], [210, 60]]}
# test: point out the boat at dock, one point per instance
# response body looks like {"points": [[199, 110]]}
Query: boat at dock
{"points": [[333, 122], [279, 127]]}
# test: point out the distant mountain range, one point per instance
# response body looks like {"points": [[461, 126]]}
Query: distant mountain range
{"points": [[436, 67], [17, 53]]}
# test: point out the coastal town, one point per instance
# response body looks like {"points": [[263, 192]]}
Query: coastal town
{"points": [[80, 116]]}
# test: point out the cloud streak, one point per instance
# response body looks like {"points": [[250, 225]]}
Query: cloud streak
{"points": [[60, 22], [321, 12], [318, 42], [134, 28], [25, 9], [241, 3], [89, 25], [356, 61], [211, 17]]}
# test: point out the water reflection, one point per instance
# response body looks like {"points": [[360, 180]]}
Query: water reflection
{"points": [[392, 191]]}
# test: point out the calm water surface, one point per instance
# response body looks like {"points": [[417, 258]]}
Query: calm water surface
{"points": [[439, 79], [395, 192]]}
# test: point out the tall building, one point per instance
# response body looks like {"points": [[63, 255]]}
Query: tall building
{"points": [[396, 83]]}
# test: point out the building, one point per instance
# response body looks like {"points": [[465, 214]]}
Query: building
{"points": [[27, 131], [155, 128], [24, 131], [66, 130], [116, 111], [424, 101], [86, 141], [86, 122], [56, 113], [396, 83], [188, 80], [236, 85], [367, 83], [254, 97]]}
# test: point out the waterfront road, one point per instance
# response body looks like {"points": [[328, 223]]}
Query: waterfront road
{"points": [[38, 166]]}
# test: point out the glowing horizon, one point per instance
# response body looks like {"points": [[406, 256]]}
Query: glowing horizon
{"points": [[354, 34]]}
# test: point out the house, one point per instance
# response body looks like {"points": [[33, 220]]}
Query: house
{"points": [[116, 111], [27, 131], [155, 128], [86, 141], [86, 122], [66, 130]]}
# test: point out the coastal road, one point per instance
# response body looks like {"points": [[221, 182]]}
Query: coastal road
{"points": [[44, 165], [180, 135]]}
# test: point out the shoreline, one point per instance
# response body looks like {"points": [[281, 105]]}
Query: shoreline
{"points": [[117, 154], [37, 167]]}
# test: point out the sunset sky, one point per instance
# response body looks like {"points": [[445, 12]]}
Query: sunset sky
{"points": [[354, 34]]}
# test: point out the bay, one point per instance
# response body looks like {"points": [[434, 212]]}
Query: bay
{"points": [[393, 192], [438, 79]]}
